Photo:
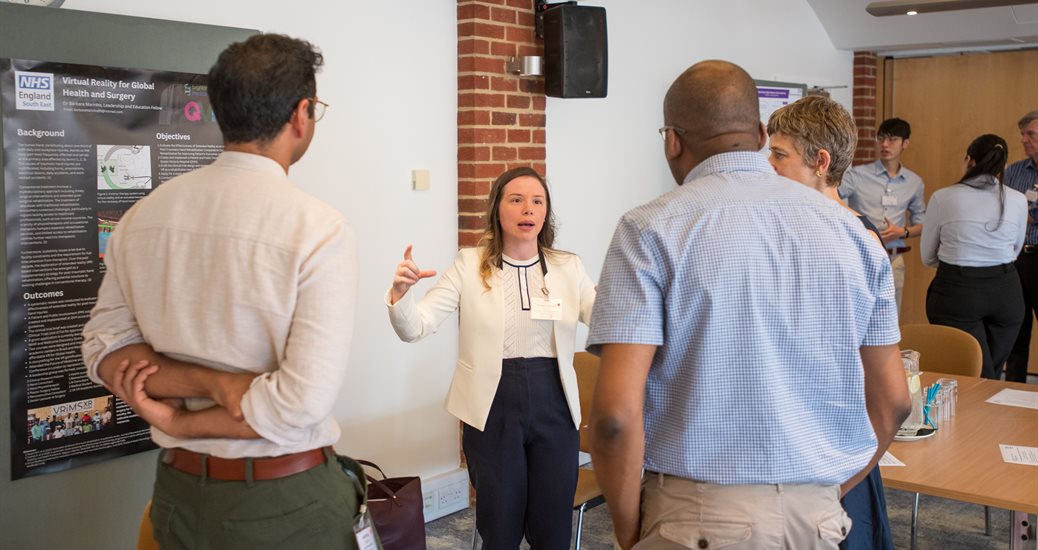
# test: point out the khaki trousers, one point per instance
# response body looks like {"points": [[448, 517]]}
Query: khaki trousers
{"points": [[897, 264], [679, 513]]}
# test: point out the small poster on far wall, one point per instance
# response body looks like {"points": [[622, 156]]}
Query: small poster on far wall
{"points": [[772, 96], [81, 145]]}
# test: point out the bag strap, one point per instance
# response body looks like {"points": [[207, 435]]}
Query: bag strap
{"points": [[385, 488], [373, 465]]}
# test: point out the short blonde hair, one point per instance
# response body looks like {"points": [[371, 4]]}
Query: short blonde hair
{"points": [[816, 123]]}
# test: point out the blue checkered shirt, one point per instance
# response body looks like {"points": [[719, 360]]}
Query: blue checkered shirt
{"points": [[759, 292], [1023, 176]]}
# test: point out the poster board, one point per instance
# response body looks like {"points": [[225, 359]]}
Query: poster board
{"points": [[103, 47], [772, 95], [81, 145]]}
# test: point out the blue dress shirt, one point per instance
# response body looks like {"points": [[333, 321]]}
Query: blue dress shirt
{"points": [[869, 189], [759, 293], [1023, 176]]}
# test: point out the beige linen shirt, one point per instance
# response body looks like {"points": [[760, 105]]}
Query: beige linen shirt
{"points": [[233, 267]]}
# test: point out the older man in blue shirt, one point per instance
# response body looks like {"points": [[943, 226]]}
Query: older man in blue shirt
{"points": [[749, 344], [890, 195], [1023, 176]]}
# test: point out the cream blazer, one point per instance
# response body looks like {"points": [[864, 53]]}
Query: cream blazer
{"points": [[481, 342]]}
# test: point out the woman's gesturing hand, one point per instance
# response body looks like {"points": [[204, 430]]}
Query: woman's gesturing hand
{"points": [[407, 274]]}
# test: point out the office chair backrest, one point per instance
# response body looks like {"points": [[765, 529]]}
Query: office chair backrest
{"points": [[943, 349], [586, 366]]}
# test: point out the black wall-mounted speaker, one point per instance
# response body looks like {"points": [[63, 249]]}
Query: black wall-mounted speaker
{"points": [[576, 57]]}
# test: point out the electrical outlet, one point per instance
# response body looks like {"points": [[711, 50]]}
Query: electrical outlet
{"points": [[452, 495], [445, 494]]}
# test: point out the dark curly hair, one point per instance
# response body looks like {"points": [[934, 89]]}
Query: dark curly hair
{"points": [[256, 84]]}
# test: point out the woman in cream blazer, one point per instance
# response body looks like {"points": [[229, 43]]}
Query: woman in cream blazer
{"points": [[514, 385]]}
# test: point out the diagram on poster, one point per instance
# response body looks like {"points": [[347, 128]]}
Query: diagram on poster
{"points": [[121, 167]]}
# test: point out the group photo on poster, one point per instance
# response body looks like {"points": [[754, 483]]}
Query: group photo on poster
{"points": [[81, 145]]}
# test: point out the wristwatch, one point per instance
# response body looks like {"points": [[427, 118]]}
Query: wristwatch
{"points": [[906, 233]]}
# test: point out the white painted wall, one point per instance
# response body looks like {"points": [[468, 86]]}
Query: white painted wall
{"points": [[390, 76], [604, 155]]}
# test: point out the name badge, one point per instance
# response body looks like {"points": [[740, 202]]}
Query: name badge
{"points": [[1032, 195], [889, 200], [546, 309], [365, 532]]}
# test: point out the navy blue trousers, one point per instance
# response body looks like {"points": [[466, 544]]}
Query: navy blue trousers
{"points": [[867, 507], [524, 463]]}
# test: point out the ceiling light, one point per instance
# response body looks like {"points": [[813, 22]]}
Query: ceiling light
{"points": [[912, 7]]}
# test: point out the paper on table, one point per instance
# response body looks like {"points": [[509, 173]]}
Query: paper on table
{"points": [[889, 460], [1016, 398], [1015, 454]]}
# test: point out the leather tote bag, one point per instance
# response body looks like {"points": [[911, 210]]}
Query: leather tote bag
{"points": [[395, 504]]}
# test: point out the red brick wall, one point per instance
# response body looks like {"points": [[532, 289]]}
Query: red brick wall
{"points": [[865, 115], [500, 116]]}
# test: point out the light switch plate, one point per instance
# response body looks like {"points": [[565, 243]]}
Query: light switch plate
{"points": [[420, 180]]}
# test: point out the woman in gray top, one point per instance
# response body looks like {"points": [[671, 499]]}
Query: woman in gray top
{"points": [[974, 231]]}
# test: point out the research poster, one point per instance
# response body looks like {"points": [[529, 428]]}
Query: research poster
{"points": [[81, 145], [771, 96]]}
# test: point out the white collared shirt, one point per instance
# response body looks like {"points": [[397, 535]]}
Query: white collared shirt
{"points": [[522, 282], [233, 267]]}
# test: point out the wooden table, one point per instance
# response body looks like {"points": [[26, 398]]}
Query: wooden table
{"points": [[962, 461]]}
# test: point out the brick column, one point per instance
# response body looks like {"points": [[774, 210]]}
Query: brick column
{"points": [[865, 115], [500, 116]]}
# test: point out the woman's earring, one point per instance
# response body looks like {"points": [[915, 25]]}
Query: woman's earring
{"points": [[818, 173]]}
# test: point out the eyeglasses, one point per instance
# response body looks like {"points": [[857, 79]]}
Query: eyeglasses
{"points": [[317, 108], [676, 129]]}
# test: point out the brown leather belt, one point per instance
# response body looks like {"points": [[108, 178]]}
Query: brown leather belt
{"points": [[899, 250], [234, 469]]}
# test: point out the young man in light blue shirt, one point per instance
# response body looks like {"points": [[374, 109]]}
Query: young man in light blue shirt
{"points": [[890, 195]]}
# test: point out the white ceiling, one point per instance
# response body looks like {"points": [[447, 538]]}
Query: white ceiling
{"points": [[851, 28]]}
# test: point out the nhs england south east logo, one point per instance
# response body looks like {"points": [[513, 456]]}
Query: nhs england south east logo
{"points": [[34, 91]]}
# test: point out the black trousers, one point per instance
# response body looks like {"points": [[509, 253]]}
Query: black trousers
{"points": [[1027, 268], [986, 302], [524, 463]]}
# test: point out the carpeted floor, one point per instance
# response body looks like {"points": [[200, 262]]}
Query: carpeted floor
{"points": [[943, 524]]}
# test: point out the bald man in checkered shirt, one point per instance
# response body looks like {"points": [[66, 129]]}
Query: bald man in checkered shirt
{"points": [[748, 332]]}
